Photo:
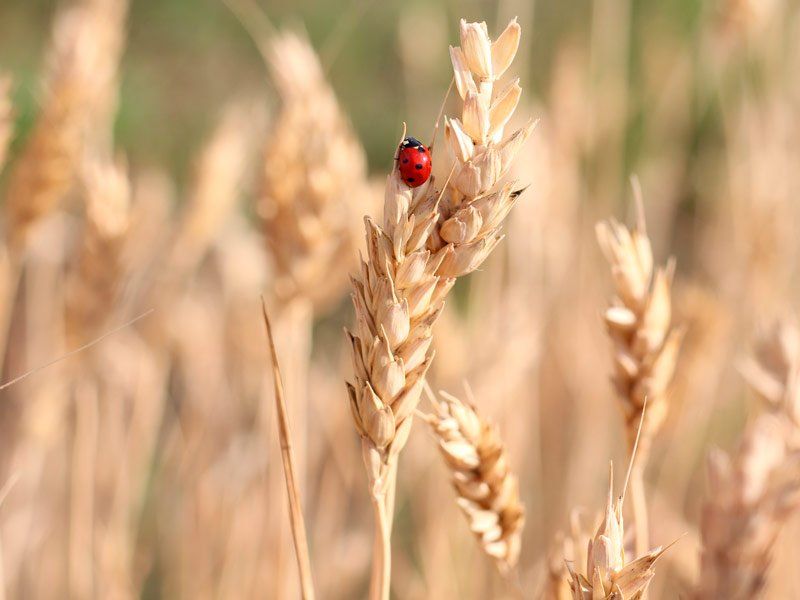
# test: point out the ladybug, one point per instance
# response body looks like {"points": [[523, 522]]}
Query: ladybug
{"points": [[414, 162]]}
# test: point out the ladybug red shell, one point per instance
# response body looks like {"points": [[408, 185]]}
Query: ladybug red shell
{"points": [[414, 162]]}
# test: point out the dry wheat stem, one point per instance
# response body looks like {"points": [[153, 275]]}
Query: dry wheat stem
{"points": [[295, 504], [6, 118], [423, 244], [488, 493]]}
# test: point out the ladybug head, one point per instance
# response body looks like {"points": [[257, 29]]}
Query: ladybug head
{"points": [[412, 142]]}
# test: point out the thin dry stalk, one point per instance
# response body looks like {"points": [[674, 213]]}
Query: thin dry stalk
{"points": [[609, 576], [284, 432], [413, 258], [6, 118], [488, 493]]}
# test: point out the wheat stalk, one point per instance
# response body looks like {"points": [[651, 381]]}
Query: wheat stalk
{"points": [[756, 489], [295, 503], [488, 493], [308, 222], [413, 258], [6, 118]]}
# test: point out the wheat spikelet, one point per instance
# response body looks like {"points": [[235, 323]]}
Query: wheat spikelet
{"points": [[639, 322], [85, 47], [488, 493], [755, 489], [6, 118], [100, 264], [609, 575], [308, 222], [752, 494]]}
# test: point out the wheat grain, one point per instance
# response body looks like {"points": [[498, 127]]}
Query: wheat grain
{"points": [[488, 493]]}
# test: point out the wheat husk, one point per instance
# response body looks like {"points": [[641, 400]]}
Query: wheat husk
{"points": [[639, 323], [310, 157], [87, 40], [486, 489], [752, 493], [608, 574]]}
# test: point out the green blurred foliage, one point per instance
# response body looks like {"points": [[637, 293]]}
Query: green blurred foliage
{"points": [[185, 58]]}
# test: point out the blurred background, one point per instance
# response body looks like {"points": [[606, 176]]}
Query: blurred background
{"points": [[187, 156]]}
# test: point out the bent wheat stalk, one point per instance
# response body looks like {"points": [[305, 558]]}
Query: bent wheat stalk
{"points": [[425, 241], [295, 504], [488, 493]]}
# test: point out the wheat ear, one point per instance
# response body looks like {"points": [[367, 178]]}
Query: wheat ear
{"points": [[609, 575], [413, 258], [645, 343], [488, 493], [755, 490], [100, 265], [308, 223], [86, 42]]}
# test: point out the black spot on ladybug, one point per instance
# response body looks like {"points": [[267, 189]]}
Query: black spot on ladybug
{"points": [[410, 180], [417, 166], [405, 160]]}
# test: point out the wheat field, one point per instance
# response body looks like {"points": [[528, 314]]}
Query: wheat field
{"points": [[243, 358]]}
